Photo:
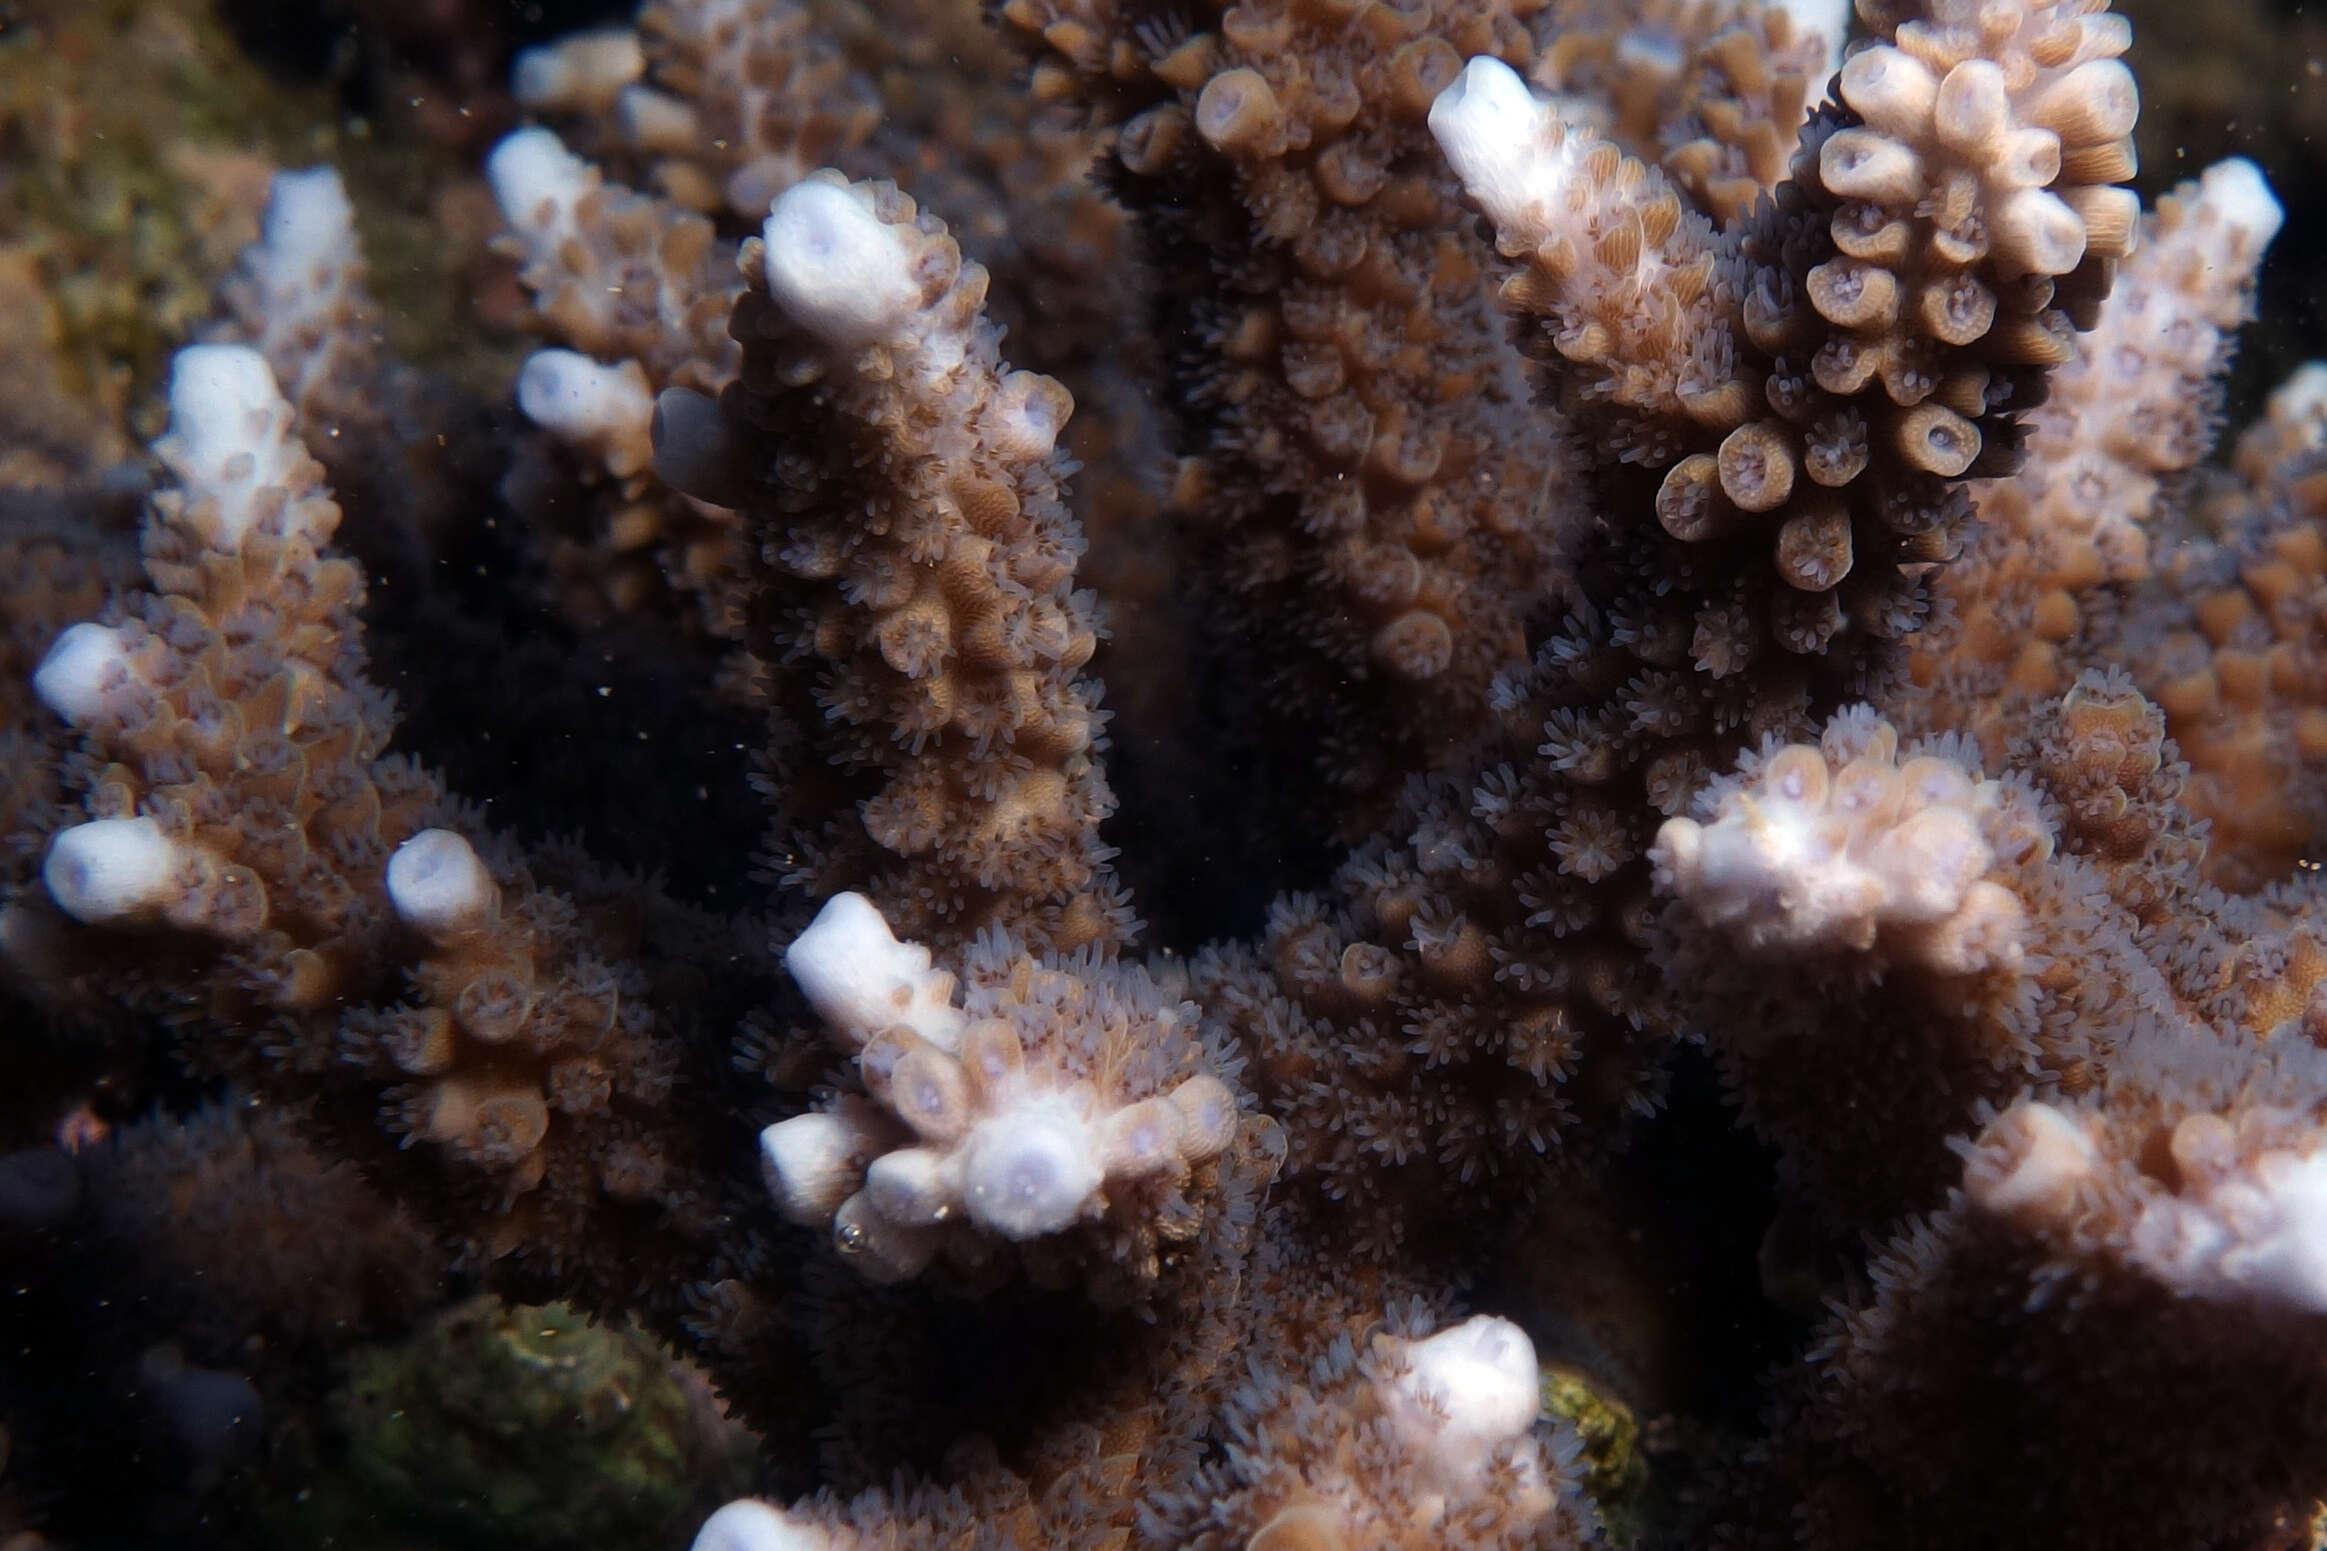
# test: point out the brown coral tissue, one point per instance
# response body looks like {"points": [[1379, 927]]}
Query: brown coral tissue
{"points": [[1283, 776]]}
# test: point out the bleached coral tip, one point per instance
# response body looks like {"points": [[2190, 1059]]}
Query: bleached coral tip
{"points": [[308, 219], [81, 668], [110, 870], [437, 884], [1486, 123], [2303, 396], [216, 392], [577, 399], [836, 267], [1484, 1372], [751, 1525], [578, 72], [2287, 1265], [1029, 1173], [810, 1164], [2241, 198], [861, 979], [1466, 1391], [530, 166]]}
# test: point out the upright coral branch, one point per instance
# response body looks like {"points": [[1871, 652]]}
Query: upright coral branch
{"points": [[916, 602], [251, 850], [1368, 493], [739, 101], [617, 276], [1816, 384], [637, 291], [2127, 422], [1855, 917], [1414, 1441], [234, 682], [299, 298], [2117, 1289], [2228, 639]]}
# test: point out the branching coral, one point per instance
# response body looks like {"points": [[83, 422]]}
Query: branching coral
{"points": [[2152, 1253], [2234, 666], [1055, 1095], [1361, 472], [1672, 531], [915, 592], [2128, 419]]}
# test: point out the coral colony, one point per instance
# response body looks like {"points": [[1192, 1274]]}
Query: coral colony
{"points": [[1700, 506]]}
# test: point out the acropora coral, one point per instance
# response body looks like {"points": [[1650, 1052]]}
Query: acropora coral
{"points": [[1348, 619]]}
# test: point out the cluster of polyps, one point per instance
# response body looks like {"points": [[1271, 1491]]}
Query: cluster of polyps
{"points": [[2242, 1215], [1052, 1096], [1847, 848]]}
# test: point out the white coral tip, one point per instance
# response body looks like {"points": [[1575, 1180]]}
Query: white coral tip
{"points": [[82, 669], [2303, 396], [861, 979], [1487, 123], [2241, 198], [587, 402], [111, 870], [437, 885], [309, 223], [1466, 1392], [837, 268], [915, 1187], [751, 1525], [228, 434], [577, 73], [215, 390], [811, 1164], [2284, 1222], [1030, 1170], [536, 181]]}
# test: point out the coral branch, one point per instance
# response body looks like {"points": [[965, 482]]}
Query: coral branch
{"points": [[1364, 483], [1065, 1106], [1815, 382], [2128, 419], [917, 592]]}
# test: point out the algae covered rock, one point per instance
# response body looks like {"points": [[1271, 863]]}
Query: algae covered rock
{"points": [[1615, 1469], [520, 1427]]}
